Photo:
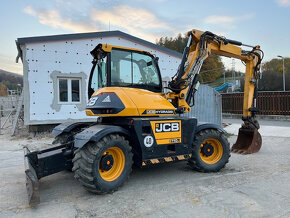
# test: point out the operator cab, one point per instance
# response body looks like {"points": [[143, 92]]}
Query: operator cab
{"points": [[123, 67]]}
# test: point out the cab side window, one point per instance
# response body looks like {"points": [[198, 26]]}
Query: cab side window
{"points": [[147, 70], [132, 69]]}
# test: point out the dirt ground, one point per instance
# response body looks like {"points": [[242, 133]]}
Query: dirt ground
{"points": [[254, 185]]}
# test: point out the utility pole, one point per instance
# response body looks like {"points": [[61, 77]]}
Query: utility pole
{"points": [[224, 72], [233, 74], [283, 62]]}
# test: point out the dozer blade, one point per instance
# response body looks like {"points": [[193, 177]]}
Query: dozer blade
{"points": [[32, 183], [248, 142]]}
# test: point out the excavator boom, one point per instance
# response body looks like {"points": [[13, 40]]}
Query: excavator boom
{"points": [[186, 81]]}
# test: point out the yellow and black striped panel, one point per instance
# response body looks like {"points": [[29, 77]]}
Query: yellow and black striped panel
{"points": [[166, 159]]}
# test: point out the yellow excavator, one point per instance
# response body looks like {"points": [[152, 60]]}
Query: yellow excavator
{"points": [[137, 122]]}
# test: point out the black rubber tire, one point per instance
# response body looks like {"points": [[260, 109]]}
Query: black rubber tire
{"points": [[63, 138], [87, 159], [197, 163]]}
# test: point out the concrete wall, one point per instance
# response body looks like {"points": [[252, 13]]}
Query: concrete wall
{"points": [[43, 62]]}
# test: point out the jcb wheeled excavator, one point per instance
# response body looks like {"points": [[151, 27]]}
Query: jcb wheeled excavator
{"points": [[137, 122]]}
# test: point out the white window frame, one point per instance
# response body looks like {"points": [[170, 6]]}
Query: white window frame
{"points": [[69, 90]]}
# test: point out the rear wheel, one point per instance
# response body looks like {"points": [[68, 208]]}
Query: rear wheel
{"points": [[102, 167], [211, 151]]}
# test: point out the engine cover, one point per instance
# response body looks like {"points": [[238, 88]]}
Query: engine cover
{"points": [[117, 101]]}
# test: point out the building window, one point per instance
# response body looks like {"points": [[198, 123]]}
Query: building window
{"points": [[69, 90]]}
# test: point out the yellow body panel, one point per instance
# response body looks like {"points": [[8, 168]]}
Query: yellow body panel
{"points": [[166, 132], [137, 102], [130, 107], [148, 101]]}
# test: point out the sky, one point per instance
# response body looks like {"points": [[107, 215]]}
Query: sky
{"points": [[255, 22]]}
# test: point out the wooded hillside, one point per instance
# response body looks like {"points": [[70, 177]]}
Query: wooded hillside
{"points": [[10, 80], [272, 78]]}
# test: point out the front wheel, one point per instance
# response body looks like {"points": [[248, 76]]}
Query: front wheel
{"points": [[211, 151], [102, 167]]}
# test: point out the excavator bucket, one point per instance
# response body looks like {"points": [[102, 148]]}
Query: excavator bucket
{"points": [[249, 141]]}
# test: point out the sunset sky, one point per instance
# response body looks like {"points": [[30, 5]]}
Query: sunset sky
{"points": [[264, 22]]}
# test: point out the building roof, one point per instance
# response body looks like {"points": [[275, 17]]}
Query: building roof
{"points": [[116, 33]]}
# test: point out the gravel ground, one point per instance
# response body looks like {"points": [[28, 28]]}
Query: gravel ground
{"points": [[254, 185]]}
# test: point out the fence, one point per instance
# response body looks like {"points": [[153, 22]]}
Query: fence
{"points": [[9, 105], [269, 103]]}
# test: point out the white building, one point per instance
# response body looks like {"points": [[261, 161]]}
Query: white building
{"points": [[51, 61]]}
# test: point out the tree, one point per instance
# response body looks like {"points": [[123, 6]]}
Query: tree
{"points": [[177, 44], [272, 76], [272, 79], [275, 65], [212, 67], [10, 80], [3, 90]]}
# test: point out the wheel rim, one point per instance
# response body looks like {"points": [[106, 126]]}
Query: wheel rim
{"points": [[116, 168], [211, 151]]}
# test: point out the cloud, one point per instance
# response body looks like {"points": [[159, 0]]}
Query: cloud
{"points": [[222, 19], [283, 3], [8, 63], [54, 19], [133, 20], [216, 19], [136, 21], [223, 24]]}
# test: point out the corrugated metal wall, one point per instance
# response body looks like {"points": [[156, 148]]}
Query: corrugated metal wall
{"points": [[208, 106]]}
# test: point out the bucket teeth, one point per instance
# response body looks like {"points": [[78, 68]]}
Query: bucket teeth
{"points": [[248, 142]]}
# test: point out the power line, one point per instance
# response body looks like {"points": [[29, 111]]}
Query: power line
{"points": [[211, 70]]}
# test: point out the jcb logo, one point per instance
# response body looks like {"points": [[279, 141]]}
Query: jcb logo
{"points": [[166, 127]]}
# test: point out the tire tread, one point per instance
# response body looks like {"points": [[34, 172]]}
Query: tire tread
{"points": [[195, 162], [83, 163]]}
